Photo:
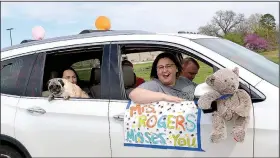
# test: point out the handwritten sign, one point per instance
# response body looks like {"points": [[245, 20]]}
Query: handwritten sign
{"points": [[163, 125]]}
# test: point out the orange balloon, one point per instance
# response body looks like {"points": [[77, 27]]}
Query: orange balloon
{"points": [[102, 23]]}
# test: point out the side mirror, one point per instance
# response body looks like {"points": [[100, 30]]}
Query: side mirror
{"points": [[201, 89]]}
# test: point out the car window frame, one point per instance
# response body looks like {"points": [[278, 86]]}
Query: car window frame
{"points": [[41, 67], [103, 70], [189, 51], [114, 73], [27, 74]]}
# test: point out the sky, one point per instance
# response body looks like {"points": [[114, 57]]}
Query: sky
{"points": [[68, 18]]}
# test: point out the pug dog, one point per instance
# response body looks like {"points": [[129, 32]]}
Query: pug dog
{"points": [[59, 87]]}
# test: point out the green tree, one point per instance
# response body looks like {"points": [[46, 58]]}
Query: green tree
{"points": [[235, 37], [268, 30], [268, 21], [262, 32]]}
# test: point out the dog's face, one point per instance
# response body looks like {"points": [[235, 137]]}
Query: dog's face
{"points": [[55, 86]]}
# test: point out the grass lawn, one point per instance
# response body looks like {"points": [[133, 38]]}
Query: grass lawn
{"points": [[84, 74], [143, 70], [272, 55]]}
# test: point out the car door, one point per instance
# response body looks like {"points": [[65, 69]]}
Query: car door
{"points": [[72, 128], [14, 77], [204, 148]]}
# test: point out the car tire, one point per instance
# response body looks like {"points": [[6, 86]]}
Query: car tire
{"points": [[8, 152]]}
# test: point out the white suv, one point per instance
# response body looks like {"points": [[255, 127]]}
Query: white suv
{"points": [[31, 126]]}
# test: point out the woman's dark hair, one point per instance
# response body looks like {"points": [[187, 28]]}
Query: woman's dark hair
{"points": [[70, 68], [169, 56]]}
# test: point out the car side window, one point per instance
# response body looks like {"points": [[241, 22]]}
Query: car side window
{"points": [[15, 74], [141, 61], [85, 62]]}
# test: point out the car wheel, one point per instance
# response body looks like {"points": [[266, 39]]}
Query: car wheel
{"points": [[8, 152]]}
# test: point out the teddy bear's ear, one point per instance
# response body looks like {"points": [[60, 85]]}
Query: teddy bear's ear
{"points": [[236, 71], [210, 80]]}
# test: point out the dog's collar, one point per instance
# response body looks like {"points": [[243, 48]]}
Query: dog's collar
{"points": [[225, 96]]}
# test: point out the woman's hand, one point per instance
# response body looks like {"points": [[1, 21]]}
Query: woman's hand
{"points": [[170, 98], [143, 96]]}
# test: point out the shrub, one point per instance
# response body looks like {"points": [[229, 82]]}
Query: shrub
{"points": [[235, 37], [255, 43]]}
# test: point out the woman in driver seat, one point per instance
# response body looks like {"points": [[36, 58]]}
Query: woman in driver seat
{"points": [[71, 75]]}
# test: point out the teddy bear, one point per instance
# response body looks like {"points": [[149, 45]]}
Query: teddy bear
{"points": [[236, 107]]}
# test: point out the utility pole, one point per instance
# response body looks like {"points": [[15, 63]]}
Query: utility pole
{"points": [[10, 29]]}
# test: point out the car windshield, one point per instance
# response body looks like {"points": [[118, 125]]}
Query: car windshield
{"points": [[244, 57]]}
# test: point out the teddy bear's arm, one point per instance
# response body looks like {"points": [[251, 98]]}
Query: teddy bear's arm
{"points": [[204, 102], [245, 103], [218, 128]]}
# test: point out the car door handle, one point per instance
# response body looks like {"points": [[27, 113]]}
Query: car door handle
{"points": [[36, 110], [119, 117]]}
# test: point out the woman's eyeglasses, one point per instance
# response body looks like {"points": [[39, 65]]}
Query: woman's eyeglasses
{"points": [[168, 67]]}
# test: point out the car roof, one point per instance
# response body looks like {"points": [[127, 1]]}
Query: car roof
{"points": [[188, 35], [100, 34], [78, 36]]}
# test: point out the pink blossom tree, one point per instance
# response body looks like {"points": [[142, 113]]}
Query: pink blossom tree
{"points": [[255, 43]]}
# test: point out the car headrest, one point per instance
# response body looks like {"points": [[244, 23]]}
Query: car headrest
{"points": [[129, 76], [53, 74], [95, 76]]}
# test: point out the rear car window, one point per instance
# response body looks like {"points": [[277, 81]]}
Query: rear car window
{"points": [[15, 74]]}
